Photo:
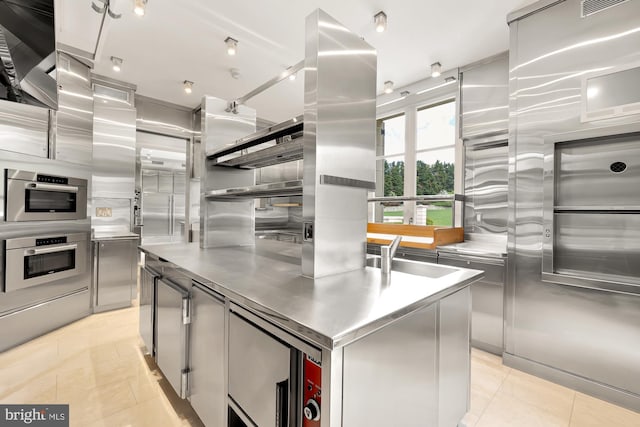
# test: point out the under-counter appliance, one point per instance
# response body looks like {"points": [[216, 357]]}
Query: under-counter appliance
{"points": [[32, 196], [32, 261], [274, 378]]}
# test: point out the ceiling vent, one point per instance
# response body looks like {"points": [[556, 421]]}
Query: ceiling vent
{"points": [[589, 7], [113, 94]]}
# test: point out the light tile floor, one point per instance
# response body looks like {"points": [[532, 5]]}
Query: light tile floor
{"points": [[96, 365]]}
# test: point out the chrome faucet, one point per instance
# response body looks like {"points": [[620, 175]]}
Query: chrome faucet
{"points": [[387, 253]]}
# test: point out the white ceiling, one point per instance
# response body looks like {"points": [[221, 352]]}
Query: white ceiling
{"points": [[183, 40]]}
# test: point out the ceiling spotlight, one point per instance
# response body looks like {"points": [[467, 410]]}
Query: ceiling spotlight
{"points": [[405, 93], [117, 63], [235, 73], [435, 69], [139, 7], [232, 45], [388, 86], [188, 87], [449, 79], [380, 19]]}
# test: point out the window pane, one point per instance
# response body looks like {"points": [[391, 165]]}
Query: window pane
{"points": [[393, 176], [434, 213], [437, 126], [392, 137], [435, 171], [393, 213]]}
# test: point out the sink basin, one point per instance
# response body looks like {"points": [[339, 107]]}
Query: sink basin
{"points": [[417, 268]]}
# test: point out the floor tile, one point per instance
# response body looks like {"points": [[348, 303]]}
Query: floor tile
{"points": [[507, 411], [591, 412]]}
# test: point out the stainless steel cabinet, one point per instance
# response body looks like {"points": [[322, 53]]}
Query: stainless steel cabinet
{"points": [[259, 371], [148, 280], [172, 319], [207, 353], [487, 300], [114, 273]]}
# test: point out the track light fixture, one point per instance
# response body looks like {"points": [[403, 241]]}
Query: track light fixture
{"points": [[188, 87], [117, 63], [380, 19], [436, 69], [232, 45], [388, 86], [139, 7]]}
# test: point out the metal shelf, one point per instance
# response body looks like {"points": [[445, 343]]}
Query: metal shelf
{"points": [[428, 198], [274, 155], [280, 130], [274, 189]]}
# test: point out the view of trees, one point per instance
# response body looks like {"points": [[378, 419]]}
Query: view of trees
{"points": [[432, 179]]}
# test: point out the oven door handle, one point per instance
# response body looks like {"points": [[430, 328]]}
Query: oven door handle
{"points": [[53, 187], [50, 250]]}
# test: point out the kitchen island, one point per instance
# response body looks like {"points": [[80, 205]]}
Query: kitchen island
{"points": [[393, 349]]}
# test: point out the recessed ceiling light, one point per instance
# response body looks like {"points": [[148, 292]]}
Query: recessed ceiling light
{"points": [[188, 87], [388, 86], [139, 7], [436, 69], [380, 19], [232, 45], [117, 63]]}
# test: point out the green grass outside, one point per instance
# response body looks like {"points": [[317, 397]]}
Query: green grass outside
{"points": [[437, 216]]}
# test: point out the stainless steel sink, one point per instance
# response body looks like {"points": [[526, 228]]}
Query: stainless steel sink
{"points": [[417, 268]]}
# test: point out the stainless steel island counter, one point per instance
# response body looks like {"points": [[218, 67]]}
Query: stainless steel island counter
{"points": [[248, 340], [330, 312]]}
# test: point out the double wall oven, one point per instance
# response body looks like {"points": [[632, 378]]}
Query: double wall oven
{"points": [[32, 196]]}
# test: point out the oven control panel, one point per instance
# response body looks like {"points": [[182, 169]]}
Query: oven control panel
{"points": [[51, 241], [52, 179], [311, 392]]}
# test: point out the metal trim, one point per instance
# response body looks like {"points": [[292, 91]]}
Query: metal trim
{"points": [[285, 74], [346, 182], [609, 285], [602, 391], [530, 9]]}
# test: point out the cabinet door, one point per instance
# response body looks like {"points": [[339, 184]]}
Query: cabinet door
{"points": [[116, 260], [147, 302], [259, 370], [206, 380], [487, 302], [171, 344]]}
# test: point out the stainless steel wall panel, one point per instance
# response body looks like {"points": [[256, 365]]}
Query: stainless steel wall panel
{"points": [[119, 220], [114, 150], [339, 126], [580, 331], [156, 214], [24, 129], [153, 115], [485, 98], [391, 376], [74, 118], [486, 188], [225, 223]]}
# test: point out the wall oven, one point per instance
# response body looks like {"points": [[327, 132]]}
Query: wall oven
{"points": [[31, 196], [32, 261]]}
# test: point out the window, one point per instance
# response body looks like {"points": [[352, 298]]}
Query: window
{"points": [[390, 165], [435, 158]]}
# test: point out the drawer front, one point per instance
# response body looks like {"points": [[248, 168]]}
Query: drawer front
{"points": [[493, 273], [487, 322]]}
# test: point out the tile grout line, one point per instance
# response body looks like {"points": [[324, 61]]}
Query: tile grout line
{"points": [[493, 396], [573, 405]]}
